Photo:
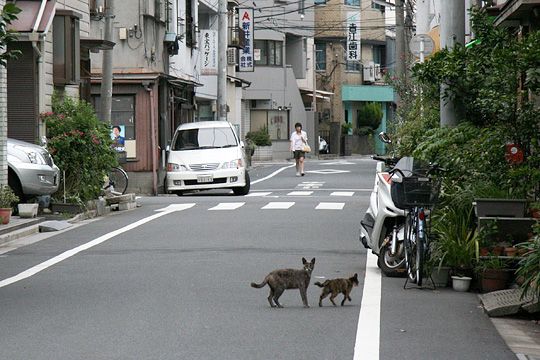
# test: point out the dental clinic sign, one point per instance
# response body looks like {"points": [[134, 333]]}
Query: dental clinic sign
{"points": [[353, 36], [246, 61], [208, 55]]}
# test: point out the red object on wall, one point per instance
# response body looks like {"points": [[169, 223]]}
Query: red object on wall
{"points": [[513, 154]]}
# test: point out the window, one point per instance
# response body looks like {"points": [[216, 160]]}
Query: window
{"points": [[203, 138], [320, 56], [277, 123], [319, 2], [122, 115], [301, 7], [352, 2], [66, 49], [268, 52], [351, 65], [377, 6], [378, 54], [191, 30]]}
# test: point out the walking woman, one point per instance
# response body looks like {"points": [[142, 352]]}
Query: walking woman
{"points": [[298, 140]]}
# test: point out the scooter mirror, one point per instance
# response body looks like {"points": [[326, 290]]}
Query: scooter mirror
{"points": [[385, 138]]}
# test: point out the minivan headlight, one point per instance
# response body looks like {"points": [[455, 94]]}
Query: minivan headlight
{"points": [[235, 164], [34, 156], [171, 167]]}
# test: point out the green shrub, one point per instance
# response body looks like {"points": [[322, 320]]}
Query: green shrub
{"points": [[369, 117], [529, 265], [81, 147], [259, 137]]}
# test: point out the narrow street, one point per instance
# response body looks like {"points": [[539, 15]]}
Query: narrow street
{"points": [[170, 280]]}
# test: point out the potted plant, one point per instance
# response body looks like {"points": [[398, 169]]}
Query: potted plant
{"points": [[456, 242], [529, 265], [263, 144], [534, 210], [7, 199], [493, 274]]}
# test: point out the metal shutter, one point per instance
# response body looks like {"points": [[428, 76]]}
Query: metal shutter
{"points": [[22, 94]]}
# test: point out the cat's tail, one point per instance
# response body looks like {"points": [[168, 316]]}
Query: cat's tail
{"points": [[258, 286], [321, 285]]}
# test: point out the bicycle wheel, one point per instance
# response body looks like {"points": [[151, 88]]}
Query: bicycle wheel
{"points": [[410, 248], [118, 180]]}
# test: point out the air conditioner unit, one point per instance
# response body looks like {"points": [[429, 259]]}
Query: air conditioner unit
{"points": [[369, 72], [231, 56]]}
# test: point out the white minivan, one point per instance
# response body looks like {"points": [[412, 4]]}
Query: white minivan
{"points": [[206, 155]]}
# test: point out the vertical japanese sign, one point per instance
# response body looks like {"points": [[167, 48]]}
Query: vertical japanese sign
{"points": [[209, 56], [246, 62], [353, 36]]}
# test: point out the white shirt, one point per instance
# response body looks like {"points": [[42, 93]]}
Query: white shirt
{"points": [[296, 140]]}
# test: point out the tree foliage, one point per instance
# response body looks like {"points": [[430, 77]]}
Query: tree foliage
{"points": [[8, 14]]}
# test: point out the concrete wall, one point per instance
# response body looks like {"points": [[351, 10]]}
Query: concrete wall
{"points": [[3, 119], [143, 51]]}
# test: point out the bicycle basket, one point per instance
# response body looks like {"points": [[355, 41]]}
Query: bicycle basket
{"points": [[414, 191]]}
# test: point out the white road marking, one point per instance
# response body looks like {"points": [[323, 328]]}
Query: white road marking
{"points": [[341, 162], [328, 171], [300, 193], [330, 206], [342, 193], [275, 205], [272, 174], [369, 325], [309, 185], [69, 253], [258, 194], [228, 206]]}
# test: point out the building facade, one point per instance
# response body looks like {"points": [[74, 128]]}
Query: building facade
{"points": [[351, 53]]}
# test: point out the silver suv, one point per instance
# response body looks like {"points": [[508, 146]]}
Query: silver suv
{"points": [[31, 170]]}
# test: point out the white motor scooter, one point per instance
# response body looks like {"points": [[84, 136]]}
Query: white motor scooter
{"points": [[382, 228]]}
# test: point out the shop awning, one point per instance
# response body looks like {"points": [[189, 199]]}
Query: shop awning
{"points": [[36, 16], [183, 82], [319, 92]]}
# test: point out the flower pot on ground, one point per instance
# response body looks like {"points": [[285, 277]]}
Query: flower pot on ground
{"points": [[510, 251], [440, 276], [461, 283], [28, 210], [7, 199], [494, 279]]}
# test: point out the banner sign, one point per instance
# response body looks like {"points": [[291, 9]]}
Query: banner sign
{"points": [[246, 62], [209, 53], [353, 36]]}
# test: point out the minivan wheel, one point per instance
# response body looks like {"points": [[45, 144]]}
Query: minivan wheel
{"points": [[244, 190]]}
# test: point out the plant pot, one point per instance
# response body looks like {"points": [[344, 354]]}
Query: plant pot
{"points": [[440, 276], [500, 207], [28, 210], [461, 283], [535, 213], [484, 251], [262, 153], [494, 279], [5, 215], [67, 208], [497, 250], [510, 251]]}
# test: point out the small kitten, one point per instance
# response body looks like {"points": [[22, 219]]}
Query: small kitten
{"points": [[282, 279], [337, 286]]}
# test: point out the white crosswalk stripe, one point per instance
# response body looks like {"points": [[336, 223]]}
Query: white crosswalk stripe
{"points": [[228, 206], [330, 206], [276, 205], [342, 193], [258, 194], [300, 193]]}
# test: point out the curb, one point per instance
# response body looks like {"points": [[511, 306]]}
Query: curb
{"points": [[20, 233]]}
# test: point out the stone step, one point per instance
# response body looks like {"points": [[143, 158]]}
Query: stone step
{"points": [[508, 302]]}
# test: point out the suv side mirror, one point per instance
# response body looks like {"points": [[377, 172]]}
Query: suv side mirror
{"points": [[242, 144]]}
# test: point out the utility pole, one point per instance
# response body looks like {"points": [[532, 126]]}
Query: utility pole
{"points": [[106, 68], [452, 33], [400, 40], [222, 60]]}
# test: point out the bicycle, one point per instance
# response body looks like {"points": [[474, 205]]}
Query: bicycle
{"points": [[417, 194], [116, 181]]}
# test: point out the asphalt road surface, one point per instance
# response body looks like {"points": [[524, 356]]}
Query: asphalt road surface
{"points": [[170, 280]]}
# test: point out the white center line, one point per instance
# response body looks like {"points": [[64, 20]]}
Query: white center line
{"points": [[277, 205], [228, 206], [330, 206], [369, 320], [69, 253]]}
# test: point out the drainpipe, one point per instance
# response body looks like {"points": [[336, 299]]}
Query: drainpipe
{"points": [[35, 38], [150, 89]]}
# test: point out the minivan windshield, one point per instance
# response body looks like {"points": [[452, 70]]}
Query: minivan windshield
{"points": [[205, 138]]}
